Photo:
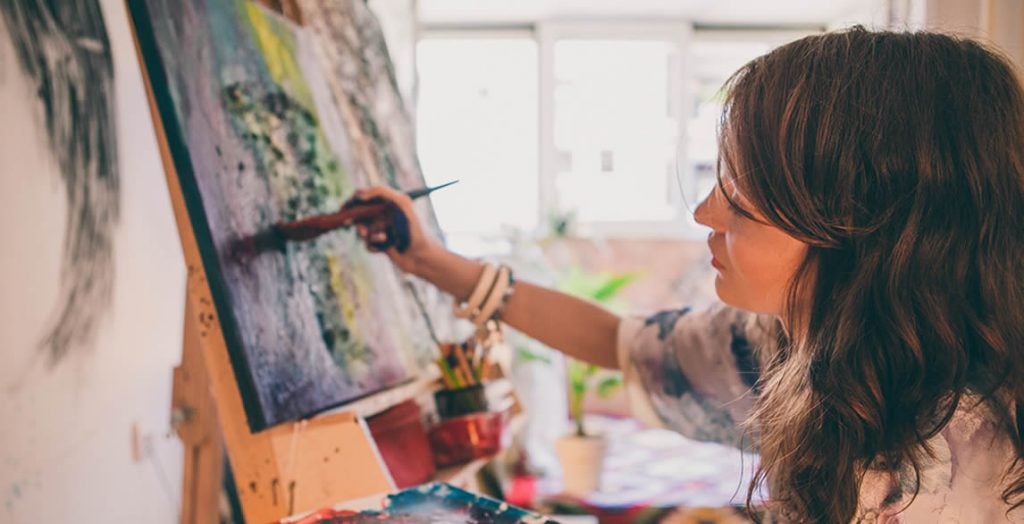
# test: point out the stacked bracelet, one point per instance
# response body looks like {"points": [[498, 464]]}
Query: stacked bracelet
{"points": [[488, 299], [509, 289], [494, 297], [471, 308]]}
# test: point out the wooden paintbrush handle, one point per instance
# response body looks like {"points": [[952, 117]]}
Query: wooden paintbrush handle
{"points": [[312, 227]]}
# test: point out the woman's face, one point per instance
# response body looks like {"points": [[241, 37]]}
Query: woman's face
{"points": [[754, 261]]}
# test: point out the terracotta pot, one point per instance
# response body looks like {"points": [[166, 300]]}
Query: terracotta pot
{"points": [[402, 442], [582, 459]]}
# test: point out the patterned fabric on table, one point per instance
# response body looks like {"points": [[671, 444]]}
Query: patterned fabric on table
{"points": [[656, 475], [695, 373]]}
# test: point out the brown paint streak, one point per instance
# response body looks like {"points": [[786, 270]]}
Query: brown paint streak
{"points": [[291, 497]]}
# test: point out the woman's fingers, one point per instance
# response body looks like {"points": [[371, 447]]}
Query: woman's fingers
{"points": [[385, 192], [377, 234], [399, 223], [395, 231]]}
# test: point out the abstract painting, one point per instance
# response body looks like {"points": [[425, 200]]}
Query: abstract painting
{"points": [[429, 503], [257, 137], [361, 77], [62, 47]]}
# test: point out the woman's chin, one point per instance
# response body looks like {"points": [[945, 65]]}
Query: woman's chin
{"points": [[732, 296], [723, 291]]}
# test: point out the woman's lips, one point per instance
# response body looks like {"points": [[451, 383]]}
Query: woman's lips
{"points": [[714, 261]]}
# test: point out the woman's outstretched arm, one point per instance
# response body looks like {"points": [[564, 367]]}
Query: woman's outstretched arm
{"points": [[578, 328]]}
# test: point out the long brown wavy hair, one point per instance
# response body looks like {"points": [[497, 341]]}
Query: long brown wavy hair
{"points": [[899, 158]]}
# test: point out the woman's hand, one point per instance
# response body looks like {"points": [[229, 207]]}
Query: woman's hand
{"points": [[397, 231]]}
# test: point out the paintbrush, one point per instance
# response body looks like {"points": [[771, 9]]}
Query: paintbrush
{"points": [[275, 237], [311, 227]]}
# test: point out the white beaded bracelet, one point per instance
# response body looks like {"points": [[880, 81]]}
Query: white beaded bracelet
{"points": [[471, 307], [504, 299], [495, 297]]}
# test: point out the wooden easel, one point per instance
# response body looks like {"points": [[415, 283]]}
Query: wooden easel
{"points": [[286, 469], [194, 418]]}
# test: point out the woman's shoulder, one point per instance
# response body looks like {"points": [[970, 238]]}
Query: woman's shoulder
{"points": [[695, 369]]}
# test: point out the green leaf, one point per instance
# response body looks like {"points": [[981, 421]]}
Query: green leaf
{"points": [[580, 372], [578, 389], [608, 385], [612, 286], [526, 355]]}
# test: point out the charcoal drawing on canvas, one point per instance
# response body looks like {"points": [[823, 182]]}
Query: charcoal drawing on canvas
{"points": [[63, 49]]}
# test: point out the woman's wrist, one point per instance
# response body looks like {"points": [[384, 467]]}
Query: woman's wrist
{"points": [[454, 274], [425, 262]]}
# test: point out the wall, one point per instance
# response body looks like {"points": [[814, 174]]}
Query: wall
{"points": [[669, 273], [89, 439], [999, 22]]}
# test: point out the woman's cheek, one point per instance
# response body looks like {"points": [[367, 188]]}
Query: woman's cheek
{"points": [[743, 256]]}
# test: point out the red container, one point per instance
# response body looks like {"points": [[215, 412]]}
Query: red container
{"points": [[461, 439], [403, 444]]}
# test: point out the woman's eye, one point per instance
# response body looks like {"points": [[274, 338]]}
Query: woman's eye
{"points": [[731, 204], [736, 214]]}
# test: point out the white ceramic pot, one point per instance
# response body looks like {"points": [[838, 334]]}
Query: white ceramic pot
{"points": [[582, 459]]}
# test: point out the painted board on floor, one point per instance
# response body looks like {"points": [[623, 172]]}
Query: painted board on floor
{"points": [[429, 503]]}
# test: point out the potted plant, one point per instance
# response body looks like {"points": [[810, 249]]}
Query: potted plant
{"points": [[581, 452]]}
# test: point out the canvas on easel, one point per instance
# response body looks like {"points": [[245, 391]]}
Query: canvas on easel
{"points": [[285, 469], [252, 133], [257, 137]]}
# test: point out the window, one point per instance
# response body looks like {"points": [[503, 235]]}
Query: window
{"points": [[614, 124], [477, 122], [614, 131], [611, 119]]}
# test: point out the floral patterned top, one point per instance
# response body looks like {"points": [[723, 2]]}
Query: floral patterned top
{"points": [[694, 372]]}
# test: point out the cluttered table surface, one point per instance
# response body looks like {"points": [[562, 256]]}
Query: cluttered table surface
{"points": [[656, 475]]}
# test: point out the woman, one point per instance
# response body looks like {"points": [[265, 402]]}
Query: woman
{"points": [[871, 202]]}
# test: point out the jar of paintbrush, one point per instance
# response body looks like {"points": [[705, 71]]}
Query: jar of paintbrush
{"points": [[463, 370], [466, 429]]}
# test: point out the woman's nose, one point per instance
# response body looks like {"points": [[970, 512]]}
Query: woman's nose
{"points": [[704, 214]]}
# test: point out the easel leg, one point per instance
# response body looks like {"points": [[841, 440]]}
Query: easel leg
{"points": [[194, 417]]}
